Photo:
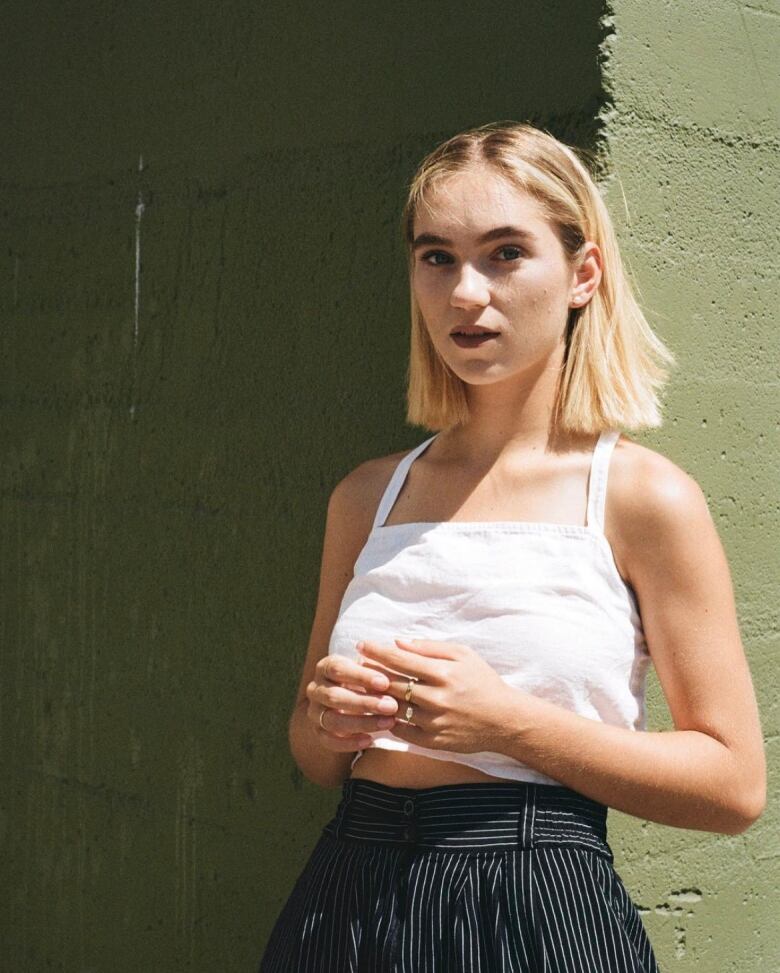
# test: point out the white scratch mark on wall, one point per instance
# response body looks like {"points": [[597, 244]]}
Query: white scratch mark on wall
{"points": [[189, 787], [139, 212], [770, 102]]}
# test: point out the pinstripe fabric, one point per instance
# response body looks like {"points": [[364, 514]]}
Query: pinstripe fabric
{"points": [[511, 877]]}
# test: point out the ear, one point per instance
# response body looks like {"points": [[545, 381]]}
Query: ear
{"points": [[587, 276]]}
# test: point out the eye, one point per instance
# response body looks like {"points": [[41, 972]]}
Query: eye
{"points": [[517, 250], [433, 253], [514, 254]]}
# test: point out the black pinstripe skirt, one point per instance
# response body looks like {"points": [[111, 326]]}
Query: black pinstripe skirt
{"points": [[460, 878]]}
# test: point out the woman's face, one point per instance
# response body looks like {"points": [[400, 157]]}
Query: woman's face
{"points": [[514, 283]]}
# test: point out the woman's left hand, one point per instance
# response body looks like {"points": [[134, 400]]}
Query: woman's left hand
{"points": [[457, 702]]}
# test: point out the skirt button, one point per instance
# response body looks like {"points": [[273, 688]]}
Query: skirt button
{"points": [[409, 807]]}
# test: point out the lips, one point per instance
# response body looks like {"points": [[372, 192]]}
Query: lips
{"points": [[473, 331], [473, 338]]}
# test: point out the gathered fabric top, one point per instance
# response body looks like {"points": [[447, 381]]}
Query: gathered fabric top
{"points": [[542, 603]]}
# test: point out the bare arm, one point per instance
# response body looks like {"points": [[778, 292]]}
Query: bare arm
{"points": [[342, 685], [709, 773]]}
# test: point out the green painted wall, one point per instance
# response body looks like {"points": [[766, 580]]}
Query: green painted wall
{"points": [[204, 326], [195, 347], [693, 140]]}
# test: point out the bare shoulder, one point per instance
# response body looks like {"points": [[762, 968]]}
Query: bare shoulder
{"points": [[647, 484], [355, 498], [653, 504]]}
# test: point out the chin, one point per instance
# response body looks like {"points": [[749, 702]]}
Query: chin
{"points": [[483, 373]]}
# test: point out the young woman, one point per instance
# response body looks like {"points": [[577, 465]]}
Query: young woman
{"points": [[488, 610]]}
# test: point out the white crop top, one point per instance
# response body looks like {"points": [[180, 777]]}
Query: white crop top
{"points": [[542, 603]]}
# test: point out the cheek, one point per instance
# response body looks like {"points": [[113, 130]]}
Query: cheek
{"points": [[421, 294], [426, 291], [539, 304], [432, 308]]}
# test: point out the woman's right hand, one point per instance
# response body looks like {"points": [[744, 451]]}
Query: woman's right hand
{"points": [[346, 703]]}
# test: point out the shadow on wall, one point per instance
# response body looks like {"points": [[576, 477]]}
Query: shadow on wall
{"points": [[205, 326]]}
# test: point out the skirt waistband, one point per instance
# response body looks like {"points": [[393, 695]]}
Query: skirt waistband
{"points": [[470, 817]]}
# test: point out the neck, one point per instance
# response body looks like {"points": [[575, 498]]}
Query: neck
{"points": [[514, 416]]}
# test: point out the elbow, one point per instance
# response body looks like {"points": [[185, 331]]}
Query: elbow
{"points": [[326, 783], [313, 770], [747, 786], [318, 766], [753, 812], [747, 812], [316, 771]]}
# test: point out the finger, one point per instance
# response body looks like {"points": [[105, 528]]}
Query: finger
{"points": [[338, 697], [401, 661], [376, 667], [421, 719], [344, 725], [340, 669], [354, 687], [414, 734], [343, 744], [422, 694], [436, 650]]}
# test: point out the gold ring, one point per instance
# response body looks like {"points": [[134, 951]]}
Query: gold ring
{"points": [[323, 711], [409, 685]]}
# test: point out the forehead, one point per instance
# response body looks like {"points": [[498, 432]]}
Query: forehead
{"points": [[475, 200]]}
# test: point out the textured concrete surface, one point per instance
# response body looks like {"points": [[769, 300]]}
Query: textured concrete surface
{"points": [[204, 320], [693, 135], [204, 326]]}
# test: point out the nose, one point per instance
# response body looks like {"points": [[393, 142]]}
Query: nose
{"points": [[470, 289]]}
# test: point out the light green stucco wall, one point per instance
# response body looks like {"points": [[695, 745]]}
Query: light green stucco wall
{"points": [[693, 140], [204, 319]]}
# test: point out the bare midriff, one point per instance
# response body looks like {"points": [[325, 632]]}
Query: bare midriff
{"points": [[398, 768]]}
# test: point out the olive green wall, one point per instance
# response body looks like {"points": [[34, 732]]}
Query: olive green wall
{"points": [[693, 143], [204, 327]]}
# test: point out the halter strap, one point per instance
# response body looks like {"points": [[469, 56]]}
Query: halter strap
{"points": [[393, 488], [597, 483]]}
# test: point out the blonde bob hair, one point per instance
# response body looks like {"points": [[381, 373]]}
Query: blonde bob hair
{"points": [[614, 365]]}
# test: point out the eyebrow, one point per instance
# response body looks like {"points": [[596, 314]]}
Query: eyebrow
{"points": [[498, 232]]}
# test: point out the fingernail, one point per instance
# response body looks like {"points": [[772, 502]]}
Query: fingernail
{"points": [[380, 682], [385, 722]]}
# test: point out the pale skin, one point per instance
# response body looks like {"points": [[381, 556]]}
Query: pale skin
{"points": [[709, 772]]}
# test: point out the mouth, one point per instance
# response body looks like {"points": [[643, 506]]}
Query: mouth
{"points": [[471, 336]]}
